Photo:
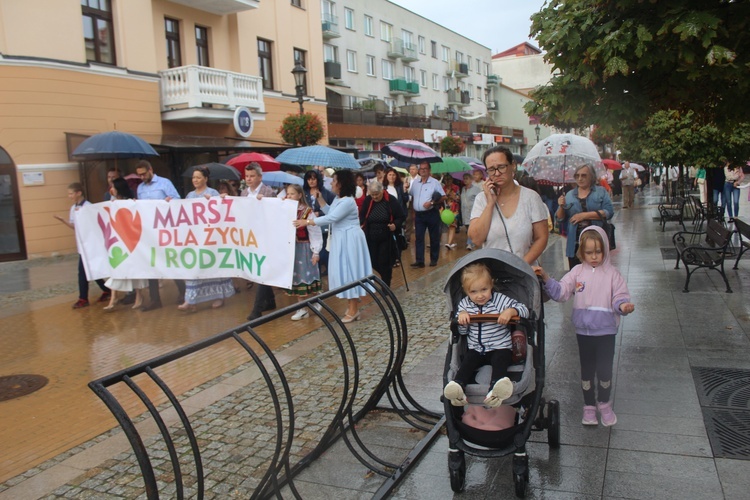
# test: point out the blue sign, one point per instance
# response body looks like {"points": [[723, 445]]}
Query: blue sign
{"points": [[243, 121]]}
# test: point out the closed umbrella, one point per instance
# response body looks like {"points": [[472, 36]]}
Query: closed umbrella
{"points": [[556, 158], [279, 179], [112, 146], [267, 163], [411, 151], [215, 171], [322, 156]]}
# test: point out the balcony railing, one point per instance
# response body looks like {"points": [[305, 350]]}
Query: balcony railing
{"points": [[330, 25], [403, 86], [493, 80], [492, 105], [199, 86], [220, 7], [399, 49], [457, 70]]}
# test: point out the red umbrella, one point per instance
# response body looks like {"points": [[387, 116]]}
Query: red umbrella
{"points": [[612, 164], [267, 163]]}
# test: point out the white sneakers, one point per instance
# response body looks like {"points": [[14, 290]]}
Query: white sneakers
{"points": [[502, 390], [301, 313]]}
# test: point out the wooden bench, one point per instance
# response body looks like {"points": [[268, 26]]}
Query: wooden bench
{"points": [[743, 229], [709, 255], [673, 213]]}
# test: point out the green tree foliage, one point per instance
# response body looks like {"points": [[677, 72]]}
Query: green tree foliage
{"points": [[451, 145], [617, 62]]}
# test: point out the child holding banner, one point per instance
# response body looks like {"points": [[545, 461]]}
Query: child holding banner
{"points": [[308, 243]]}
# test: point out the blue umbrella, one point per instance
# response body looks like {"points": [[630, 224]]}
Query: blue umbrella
{"points": [[113, 145], [318, 155], [278, 179]]}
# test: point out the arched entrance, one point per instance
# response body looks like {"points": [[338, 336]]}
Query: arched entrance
{"points": [[12, 241]]}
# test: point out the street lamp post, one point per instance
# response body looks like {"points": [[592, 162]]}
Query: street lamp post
{"points": [[537, 129], [299, 72]]}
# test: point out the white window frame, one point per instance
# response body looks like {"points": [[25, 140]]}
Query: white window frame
{"points": [[387, 68], [435, 81], [486, 69], [370, 65], [446, 83], [421, 43], [368, 26], [446, 53], [471, 91], [351, 61], [459, 57], [479, 93], [348, 18], [327, 47], [391, 103], [468, 62], [479, 65], [423, 79], [407, 37], [386, 31], [409, 74]]}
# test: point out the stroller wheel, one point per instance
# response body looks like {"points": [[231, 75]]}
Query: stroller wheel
{"points": [[521, 474], [553, 422], [457, 470]]}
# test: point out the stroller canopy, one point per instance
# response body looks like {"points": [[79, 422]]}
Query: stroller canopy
{"points": [[511, 274]]}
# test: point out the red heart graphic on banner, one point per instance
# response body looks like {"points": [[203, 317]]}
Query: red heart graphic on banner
{"points": [[127, 225]]}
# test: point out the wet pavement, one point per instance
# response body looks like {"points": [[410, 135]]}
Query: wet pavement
{"points": [[60, 442]]}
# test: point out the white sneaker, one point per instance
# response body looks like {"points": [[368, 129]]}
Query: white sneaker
{"points": [[451, 246], [301, 313], [318, 307]]}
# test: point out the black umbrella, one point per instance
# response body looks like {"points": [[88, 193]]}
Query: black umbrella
{"points": [[216, 171], [113, 145]]}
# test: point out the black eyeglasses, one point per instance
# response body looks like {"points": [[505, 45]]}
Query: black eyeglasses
{"points": [[498, 169]]}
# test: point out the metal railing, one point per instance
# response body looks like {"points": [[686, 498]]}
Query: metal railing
{"points": [[195, 86], [185, 460]]}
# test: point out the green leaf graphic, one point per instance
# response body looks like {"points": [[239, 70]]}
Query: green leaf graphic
{"points": [[118, 257]]}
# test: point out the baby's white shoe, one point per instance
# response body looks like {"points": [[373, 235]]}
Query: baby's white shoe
{"points": [[502, 390], [455, 393]]}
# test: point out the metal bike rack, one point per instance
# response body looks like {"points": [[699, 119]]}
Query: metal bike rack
{"points": [[279, 471]]}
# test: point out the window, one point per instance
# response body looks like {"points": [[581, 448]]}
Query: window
{"points": [[421, 43], [201, 45], [446, 53], [370, 65], [387, 69], [386, 31], [368, 26], [409, 74], [330, 53], [435, 81], [98, 31], [486, 69], [351, 61], [172, 33], [423, 78], [459, 57], [265, 65], [479, 93], [406, 37], [471, 91], [391, 103], [301, 57], [349, 19], [433, 48], [479, 63], [468, 62], [446, 83], [297, 3]]}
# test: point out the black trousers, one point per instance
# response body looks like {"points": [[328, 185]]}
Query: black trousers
{"points": [[382, 255], [83, 282], [153, 291], [428, 220], [597, 355], [264, 298], [500, 360]]}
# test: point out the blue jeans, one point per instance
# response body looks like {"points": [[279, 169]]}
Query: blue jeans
{"points": [[731, 197]]}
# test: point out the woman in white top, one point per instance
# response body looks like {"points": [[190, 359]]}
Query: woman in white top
{"points": [[505, 215], [732, 178]]}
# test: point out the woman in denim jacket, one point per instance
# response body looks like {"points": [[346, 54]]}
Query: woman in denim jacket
{"points": [[581, 207]]}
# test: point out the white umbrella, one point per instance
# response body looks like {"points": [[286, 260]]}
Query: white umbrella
{"points": [[556, 158], [639, 168]]}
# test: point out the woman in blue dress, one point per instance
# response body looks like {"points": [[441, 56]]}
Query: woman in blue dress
{"points": [[349, 258], [197, 291]]}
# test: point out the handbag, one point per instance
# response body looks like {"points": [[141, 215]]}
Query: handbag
{"points": [[401, 241], [609, 228]]}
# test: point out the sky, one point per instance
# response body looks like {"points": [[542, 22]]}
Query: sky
{"points": [[497, 24]]}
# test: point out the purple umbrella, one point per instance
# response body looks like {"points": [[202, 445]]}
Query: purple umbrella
{"points": [[411, 151], [459, 176]]}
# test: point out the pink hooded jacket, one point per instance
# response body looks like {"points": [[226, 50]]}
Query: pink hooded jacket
{"points": [[599, 293]]}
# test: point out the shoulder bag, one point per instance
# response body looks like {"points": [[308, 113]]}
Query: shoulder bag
{"points": [[609, 229]]}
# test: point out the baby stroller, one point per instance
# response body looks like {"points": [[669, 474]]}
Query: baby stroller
{"points": [[498, 432]]}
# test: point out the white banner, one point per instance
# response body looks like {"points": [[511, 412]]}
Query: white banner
{"points": [[432, 136], [189, 239]]}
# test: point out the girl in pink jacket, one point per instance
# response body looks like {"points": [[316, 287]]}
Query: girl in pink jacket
{"points": [[600, 298]]}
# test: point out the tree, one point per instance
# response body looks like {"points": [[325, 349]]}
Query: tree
{"points": [[617, 62], [303, 129], [451, 145]]}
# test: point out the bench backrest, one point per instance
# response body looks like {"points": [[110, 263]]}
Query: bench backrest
{"points": [[717, 236], [742, 227]]}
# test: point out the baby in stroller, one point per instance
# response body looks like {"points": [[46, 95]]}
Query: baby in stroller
{"points": [[488, 343]]}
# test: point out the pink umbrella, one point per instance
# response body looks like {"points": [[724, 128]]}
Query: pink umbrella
{"points": [[411, 151]]}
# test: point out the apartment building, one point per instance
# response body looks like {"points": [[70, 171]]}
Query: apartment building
{"points": [[393, 74], [170, 71]]}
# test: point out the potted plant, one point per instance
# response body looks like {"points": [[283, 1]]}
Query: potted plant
{"points": [[303, 129], [451, 145]]}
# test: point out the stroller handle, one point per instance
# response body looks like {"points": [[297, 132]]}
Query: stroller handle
{"points": [[488, 318]]}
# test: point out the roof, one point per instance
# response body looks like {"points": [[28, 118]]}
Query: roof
{"points": [[522, 49]]}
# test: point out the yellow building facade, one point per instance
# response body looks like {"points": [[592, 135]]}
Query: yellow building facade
{"points": [[170, 71]]}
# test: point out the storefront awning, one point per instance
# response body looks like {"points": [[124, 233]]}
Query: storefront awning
{"points": [[346, 91]]}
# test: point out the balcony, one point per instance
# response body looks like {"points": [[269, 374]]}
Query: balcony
{"points": [[330, 25], [398, 49], [332, 71], [493, 80], [404, 86], [492, 106], [220, 7], [454, 98], [457, 70], [201, 94]]}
